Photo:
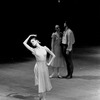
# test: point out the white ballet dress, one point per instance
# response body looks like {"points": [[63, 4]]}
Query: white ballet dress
{"points": [[41, 70]]}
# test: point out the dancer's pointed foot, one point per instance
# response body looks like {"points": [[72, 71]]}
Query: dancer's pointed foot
{"points": [[40, 98], [43, 99], [52, 75], [59, 76]]}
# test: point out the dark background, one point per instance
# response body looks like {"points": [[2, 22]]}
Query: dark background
{"points": [[19, 19]]}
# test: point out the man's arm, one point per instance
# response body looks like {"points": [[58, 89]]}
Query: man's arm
{"points": [[53, 41], [69, 48]]}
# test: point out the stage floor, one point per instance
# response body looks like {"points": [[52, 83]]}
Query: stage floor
{"points": [[17, 79]]}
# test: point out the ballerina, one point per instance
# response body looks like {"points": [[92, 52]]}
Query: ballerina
{"points": [[41, 72]]}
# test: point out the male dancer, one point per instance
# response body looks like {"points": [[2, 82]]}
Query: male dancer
{"points": [[68, 40]]}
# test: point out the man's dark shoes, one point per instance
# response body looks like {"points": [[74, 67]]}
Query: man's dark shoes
{"points": [[67, 77], [64, 76]]}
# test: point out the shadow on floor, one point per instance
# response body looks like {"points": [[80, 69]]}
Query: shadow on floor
{"points": [[88, 77], [22, 97], [15, 60]]}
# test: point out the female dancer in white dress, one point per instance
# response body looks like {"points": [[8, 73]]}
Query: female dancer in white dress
{"points": [[41, 66], [59, 61]]}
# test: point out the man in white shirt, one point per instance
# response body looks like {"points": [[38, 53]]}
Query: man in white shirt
{"points": [[68, 40]]}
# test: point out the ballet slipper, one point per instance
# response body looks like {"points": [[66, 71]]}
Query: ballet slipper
{"points": [[59, 76], [51, 76]]}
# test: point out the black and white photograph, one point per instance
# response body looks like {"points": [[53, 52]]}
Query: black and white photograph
{"points": [[50, 50]]}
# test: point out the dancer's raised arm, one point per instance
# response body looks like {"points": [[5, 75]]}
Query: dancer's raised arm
{"points": [[26, 45]]}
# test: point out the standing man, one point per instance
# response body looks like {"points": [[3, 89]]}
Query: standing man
{"points": [[68, 40]]}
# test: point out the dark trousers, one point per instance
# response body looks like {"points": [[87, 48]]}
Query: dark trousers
{"points": [[68, 59]]}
